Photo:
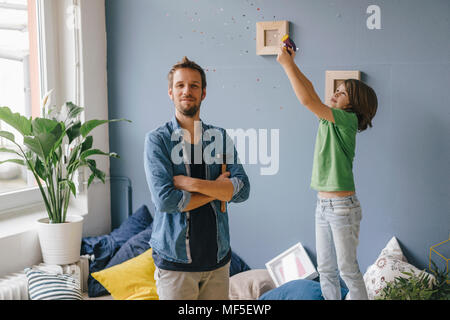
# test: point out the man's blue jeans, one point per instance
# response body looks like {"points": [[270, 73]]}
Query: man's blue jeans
{"points": [[337, 233]]}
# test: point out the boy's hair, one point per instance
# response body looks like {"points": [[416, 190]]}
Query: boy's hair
{"points": [[363, 101], [186, 63]]}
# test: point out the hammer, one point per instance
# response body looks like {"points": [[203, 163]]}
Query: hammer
{"points": [[224, 169]]}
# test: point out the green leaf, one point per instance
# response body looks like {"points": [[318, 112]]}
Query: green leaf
{"points": [[48, 136], [90, 125], [91, 178], [87, 144], [72, 187], [70, 184], [6, 150], [40, 169], [7, 135], [42, 125], [16, 120], [74, 131], [34, 145], [92, 152], [73, 110], [18, 161], [96, 172]]}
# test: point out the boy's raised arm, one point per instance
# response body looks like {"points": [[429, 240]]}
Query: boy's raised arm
{"points": [[303, 88]]}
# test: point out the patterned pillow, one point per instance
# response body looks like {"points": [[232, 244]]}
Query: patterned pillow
{"points": [[50, 286], [390, 264]]}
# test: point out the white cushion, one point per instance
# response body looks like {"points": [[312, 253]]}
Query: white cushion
{"points": [[390, 264], [250, 284]]}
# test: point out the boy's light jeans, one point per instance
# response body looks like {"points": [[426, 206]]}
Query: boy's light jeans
{"points": [[337, 233]]}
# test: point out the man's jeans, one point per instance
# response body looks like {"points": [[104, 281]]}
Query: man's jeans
{"points": [[178, 285], [337, 232]]}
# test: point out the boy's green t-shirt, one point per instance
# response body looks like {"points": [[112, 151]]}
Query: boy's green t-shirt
{"points": [[334, 153]]}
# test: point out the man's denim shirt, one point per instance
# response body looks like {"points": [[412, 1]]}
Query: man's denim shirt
{"points": [[170, 235]]}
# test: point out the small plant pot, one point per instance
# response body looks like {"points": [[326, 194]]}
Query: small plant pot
{"points": [[60, 242]]}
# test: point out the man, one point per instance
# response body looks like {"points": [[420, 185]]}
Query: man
{"points": [[190, 237]]}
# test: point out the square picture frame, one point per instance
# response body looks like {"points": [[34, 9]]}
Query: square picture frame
{"points": [[292, 264], [333, 78], [268, 36]]}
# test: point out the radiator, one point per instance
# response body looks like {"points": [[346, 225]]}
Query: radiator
{"points": [[15, 286]]}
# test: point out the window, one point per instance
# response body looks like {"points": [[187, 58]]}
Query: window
{"points": [[39, 51], [16, 61]]}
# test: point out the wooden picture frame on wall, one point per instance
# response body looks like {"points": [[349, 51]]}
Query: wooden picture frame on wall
{"points": [[268, 36], [334, 78]]}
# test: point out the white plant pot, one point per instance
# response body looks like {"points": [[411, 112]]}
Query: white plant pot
{"points": [[61, 242]]}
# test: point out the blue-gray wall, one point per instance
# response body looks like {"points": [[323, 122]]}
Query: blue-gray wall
{"points": [[402, 164]]}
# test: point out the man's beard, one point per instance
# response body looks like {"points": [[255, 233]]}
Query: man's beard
{"points": [[190, 112]]}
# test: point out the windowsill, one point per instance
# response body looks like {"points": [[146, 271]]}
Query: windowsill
{"points": [[24, 219]]}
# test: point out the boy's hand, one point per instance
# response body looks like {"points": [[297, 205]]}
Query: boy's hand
{"points": [[284, 58]]}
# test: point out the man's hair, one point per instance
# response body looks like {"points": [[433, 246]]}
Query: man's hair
{"points": [[363, 102], [186, 63]]}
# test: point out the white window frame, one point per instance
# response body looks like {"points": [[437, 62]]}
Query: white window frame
{"points": [[57, 57]]}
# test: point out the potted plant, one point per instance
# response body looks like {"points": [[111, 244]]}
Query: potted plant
{"points": [[54, 148]]}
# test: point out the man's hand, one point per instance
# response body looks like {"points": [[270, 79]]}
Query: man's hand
{"points": [[220, 189], [224, 176], [187, 183], [283, 57], [183, 183]]}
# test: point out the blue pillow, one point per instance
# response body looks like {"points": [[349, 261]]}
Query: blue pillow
{"points": [[132, 248], [105, 247], [136, 223], [237, 264], [301, 289]]}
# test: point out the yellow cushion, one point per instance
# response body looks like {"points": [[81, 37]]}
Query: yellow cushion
{"points": [[130, 280]]}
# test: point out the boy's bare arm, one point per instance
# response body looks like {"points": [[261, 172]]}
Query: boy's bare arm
{"points": [[303, 88]]}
